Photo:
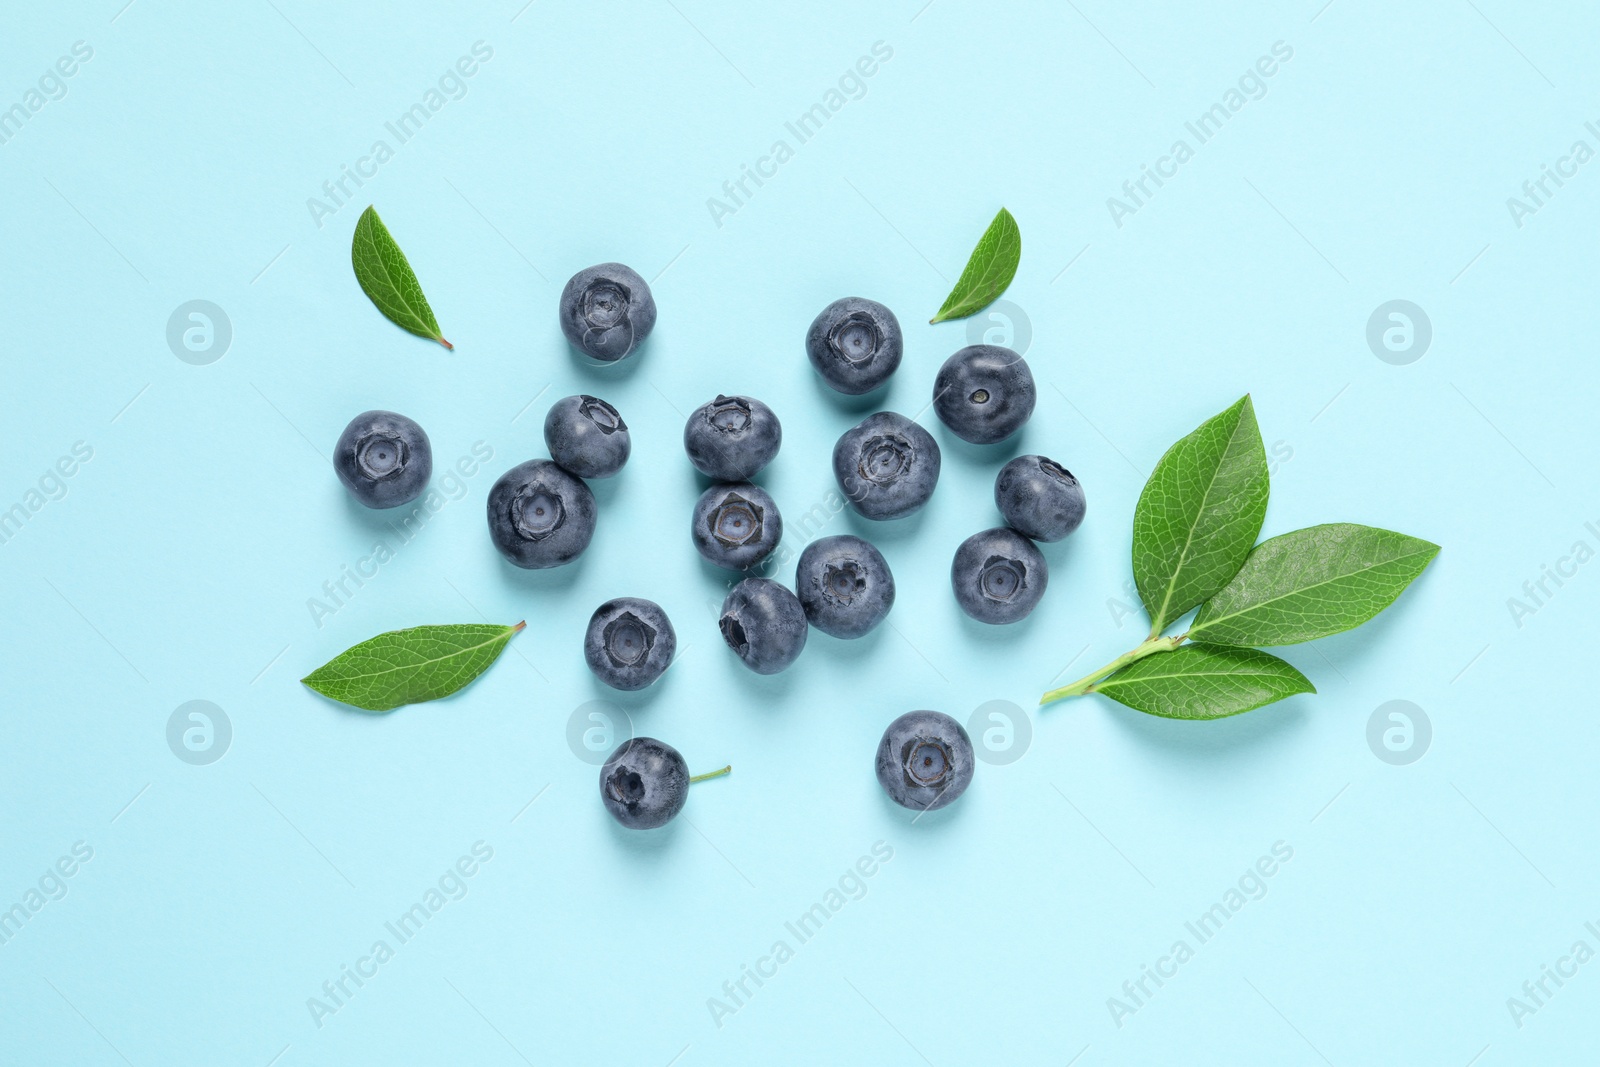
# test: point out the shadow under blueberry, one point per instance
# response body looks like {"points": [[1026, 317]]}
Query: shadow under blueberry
{"points": [[599, 370], [857, 405], [376, 519], [931, 820], [633, 699], [772, 687], [997, 633], [846, 649], [548, 579], [646, 844], [885, 531]]}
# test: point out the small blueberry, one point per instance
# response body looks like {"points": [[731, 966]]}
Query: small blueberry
{"points": [[540, 516], [925, 760], [384, 459], [607, 311]]}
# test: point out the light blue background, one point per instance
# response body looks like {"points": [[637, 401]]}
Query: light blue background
{"points": [[179, 563]]}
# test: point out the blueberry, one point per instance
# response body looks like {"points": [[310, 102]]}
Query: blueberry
{"points": [[607, 311], [644, 783], [736, 525], [629, 643], [732, 437], [384, 459], [540, 516], [587, 436], [998, 575], [1039, 498], [886, 465], [844, 585], [855, 344], [924, 760], [984, 393], [764, 624]]}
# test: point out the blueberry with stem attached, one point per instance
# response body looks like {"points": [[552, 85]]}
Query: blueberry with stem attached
{"points": [[645, 782], [629, 643], [736, 526], [886, 465], [587, 436], [732, 437], [855, 344], [384, 459], [764, 624], [540, 516], [844, 585], [607, 311], [984, 393], [1039, 498], [998, 575], [925, 760]]}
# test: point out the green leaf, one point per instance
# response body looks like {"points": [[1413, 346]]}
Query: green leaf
{"points": [[988, 272], [388, 280], [1203, 683], [1311, 583], [410, 666], [1199, 514]]}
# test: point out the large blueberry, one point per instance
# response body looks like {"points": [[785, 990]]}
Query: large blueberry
{"points": [[736, 525], [540, 516], [998, 575], [924, 760], [844, 585], [732, 437], [607, 311], [984, 393], [587, 436], [644, 783], [629, 643], [764, 624], [1039, 498], [384, 459], [855, 344], [886, 465]]}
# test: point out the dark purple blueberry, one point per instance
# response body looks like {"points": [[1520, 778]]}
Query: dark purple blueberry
{"points": [[540, 516], [384, 459], [732, 437], [764, 624], [984, 393], [607, 311], [644, 783], [1039, 498], [844, 585], [998, 575], [924, 760], [886, 465], [736, 526], [629, 643], [855, 344], [587, 436]]}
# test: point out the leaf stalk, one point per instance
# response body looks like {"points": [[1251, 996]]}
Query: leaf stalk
{"points": [[1086, 684]]}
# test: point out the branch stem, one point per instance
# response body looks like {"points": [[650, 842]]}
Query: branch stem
{"points": [[1086, 684], [718, 773]]}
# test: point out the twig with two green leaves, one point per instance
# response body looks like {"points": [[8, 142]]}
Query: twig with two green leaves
{"points": [[1194, 545]]}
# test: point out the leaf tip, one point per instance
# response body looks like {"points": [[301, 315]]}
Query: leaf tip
{"points": [[447, 344], [519, 627]]}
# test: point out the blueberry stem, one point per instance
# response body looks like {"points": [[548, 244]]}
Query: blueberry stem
{"points": [[1086, 684], [718, 773]]}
